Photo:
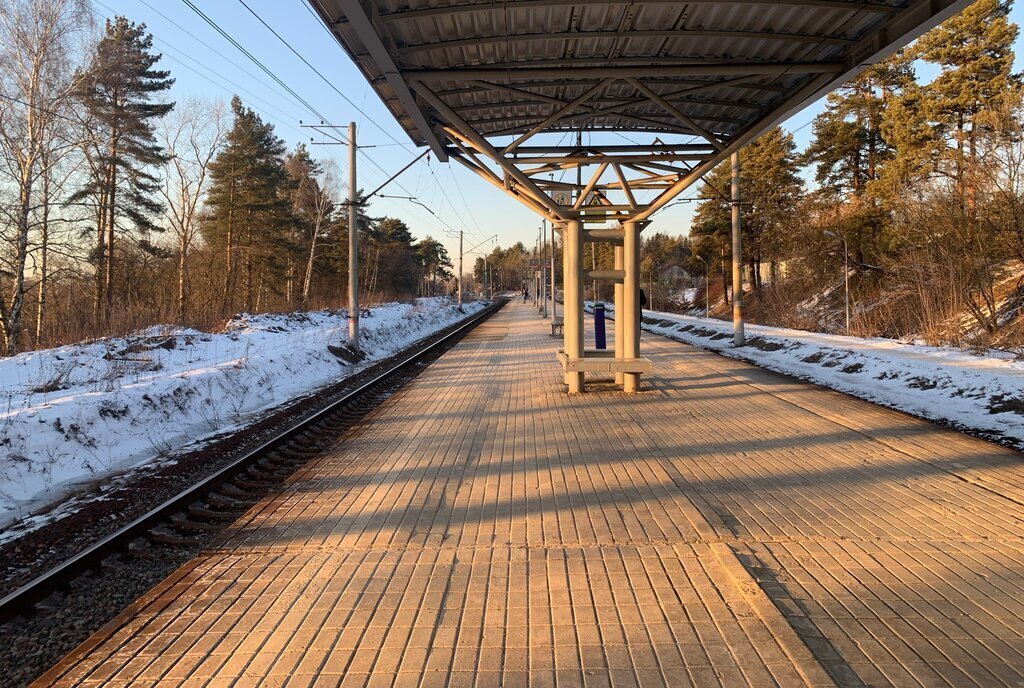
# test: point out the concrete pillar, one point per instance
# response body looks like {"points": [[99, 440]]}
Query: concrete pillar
{"points": [[737, 256], [572, 295], [631, 303], [619, 314]]}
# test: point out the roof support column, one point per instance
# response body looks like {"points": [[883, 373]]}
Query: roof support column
{"points": [[630, 303], [572, 295], [737, 255], [619, 314]]}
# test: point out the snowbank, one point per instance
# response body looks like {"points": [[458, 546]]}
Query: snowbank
{"points": [[980, 394], [83, 412]]}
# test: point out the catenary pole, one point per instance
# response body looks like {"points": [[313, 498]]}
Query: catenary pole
{"points": [[737, 256], [353, 244], [460, 267]]}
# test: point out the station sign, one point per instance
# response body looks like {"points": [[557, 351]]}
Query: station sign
{"points": [[593, 207]]}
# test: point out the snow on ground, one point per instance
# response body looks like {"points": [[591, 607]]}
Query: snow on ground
{"points": [[81, 413], [978, 393]]}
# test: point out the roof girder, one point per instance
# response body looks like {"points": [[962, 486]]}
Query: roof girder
{"points": [[489, 5], [410, 50], [864, 33], [704, 68]]}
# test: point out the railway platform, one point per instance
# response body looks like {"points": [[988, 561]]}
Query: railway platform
{"points": [[725, 527]]}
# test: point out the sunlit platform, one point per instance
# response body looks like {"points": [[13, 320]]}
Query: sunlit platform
{"points": [[726, 526]]}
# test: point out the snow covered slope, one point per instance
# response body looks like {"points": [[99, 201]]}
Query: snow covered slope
{"points": [[981, 394], [82, 412]]}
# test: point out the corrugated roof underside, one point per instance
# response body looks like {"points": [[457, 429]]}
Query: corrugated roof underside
{"points": [[511, 36]]}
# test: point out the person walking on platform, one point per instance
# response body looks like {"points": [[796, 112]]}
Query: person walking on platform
{"points": [[526, 294]]}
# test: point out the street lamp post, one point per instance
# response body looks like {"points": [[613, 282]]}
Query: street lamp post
{"points": [[846, 273], [707, 288]]}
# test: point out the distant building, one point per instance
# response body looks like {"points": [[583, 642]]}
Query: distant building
{"points": [[675, 276]]}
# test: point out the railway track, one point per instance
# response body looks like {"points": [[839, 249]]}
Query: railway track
{"points": [[187, 521]]}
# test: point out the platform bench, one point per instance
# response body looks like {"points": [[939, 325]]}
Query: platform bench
{"points": [[556, 327], [604, 364]]}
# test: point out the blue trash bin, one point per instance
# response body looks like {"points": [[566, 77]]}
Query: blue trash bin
{"points": [[599, 336]]}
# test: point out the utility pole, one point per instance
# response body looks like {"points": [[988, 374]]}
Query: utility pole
{"points": [[737, 256], [460, 268], [353, 244]]}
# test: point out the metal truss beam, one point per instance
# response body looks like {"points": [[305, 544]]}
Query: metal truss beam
{"points": [[647, 122], [371, 38], [678, 114], [692, 85], [488, 5], [610, 159], [613, 101], [702, 68], [560, 113], [605, 150], [412, 50]]}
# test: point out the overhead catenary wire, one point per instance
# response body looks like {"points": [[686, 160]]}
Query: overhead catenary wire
{"points": [[318, 72], [227, 36], [232, 87], [216, 27], [209, 47]]}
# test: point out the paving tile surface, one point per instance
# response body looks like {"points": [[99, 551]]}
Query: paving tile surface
{"points": [[726, 527]]}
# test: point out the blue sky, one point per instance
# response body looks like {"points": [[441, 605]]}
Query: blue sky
{"points": [[205, 64]]}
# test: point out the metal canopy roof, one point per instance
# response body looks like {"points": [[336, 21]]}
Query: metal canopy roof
{"points": [[462, 76]]}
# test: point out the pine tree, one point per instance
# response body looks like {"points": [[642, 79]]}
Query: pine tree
{"points": [[848, 147], [118, 89], [249, 220], [435, 263], [394, 268], [851, 152], [916, 147], [712, 225], [770, 190], [975, 51]]}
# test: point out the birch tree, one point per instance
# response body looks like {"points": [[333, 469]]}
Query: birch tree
{"points": [[191, 137], [36, 81]]}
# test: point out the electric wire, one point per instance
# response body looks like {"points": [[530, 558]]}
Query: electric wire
{"points": [[317, 71], [216, 27], [227, 36]]}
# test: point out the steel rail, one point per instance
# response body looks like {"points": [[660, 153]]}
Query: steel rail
{"points": [[25, 597]]}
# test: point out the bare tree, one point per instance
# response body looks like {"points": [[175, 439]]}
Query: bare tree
{"points": [[37, 81], [192, 136], [321, 201]]}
